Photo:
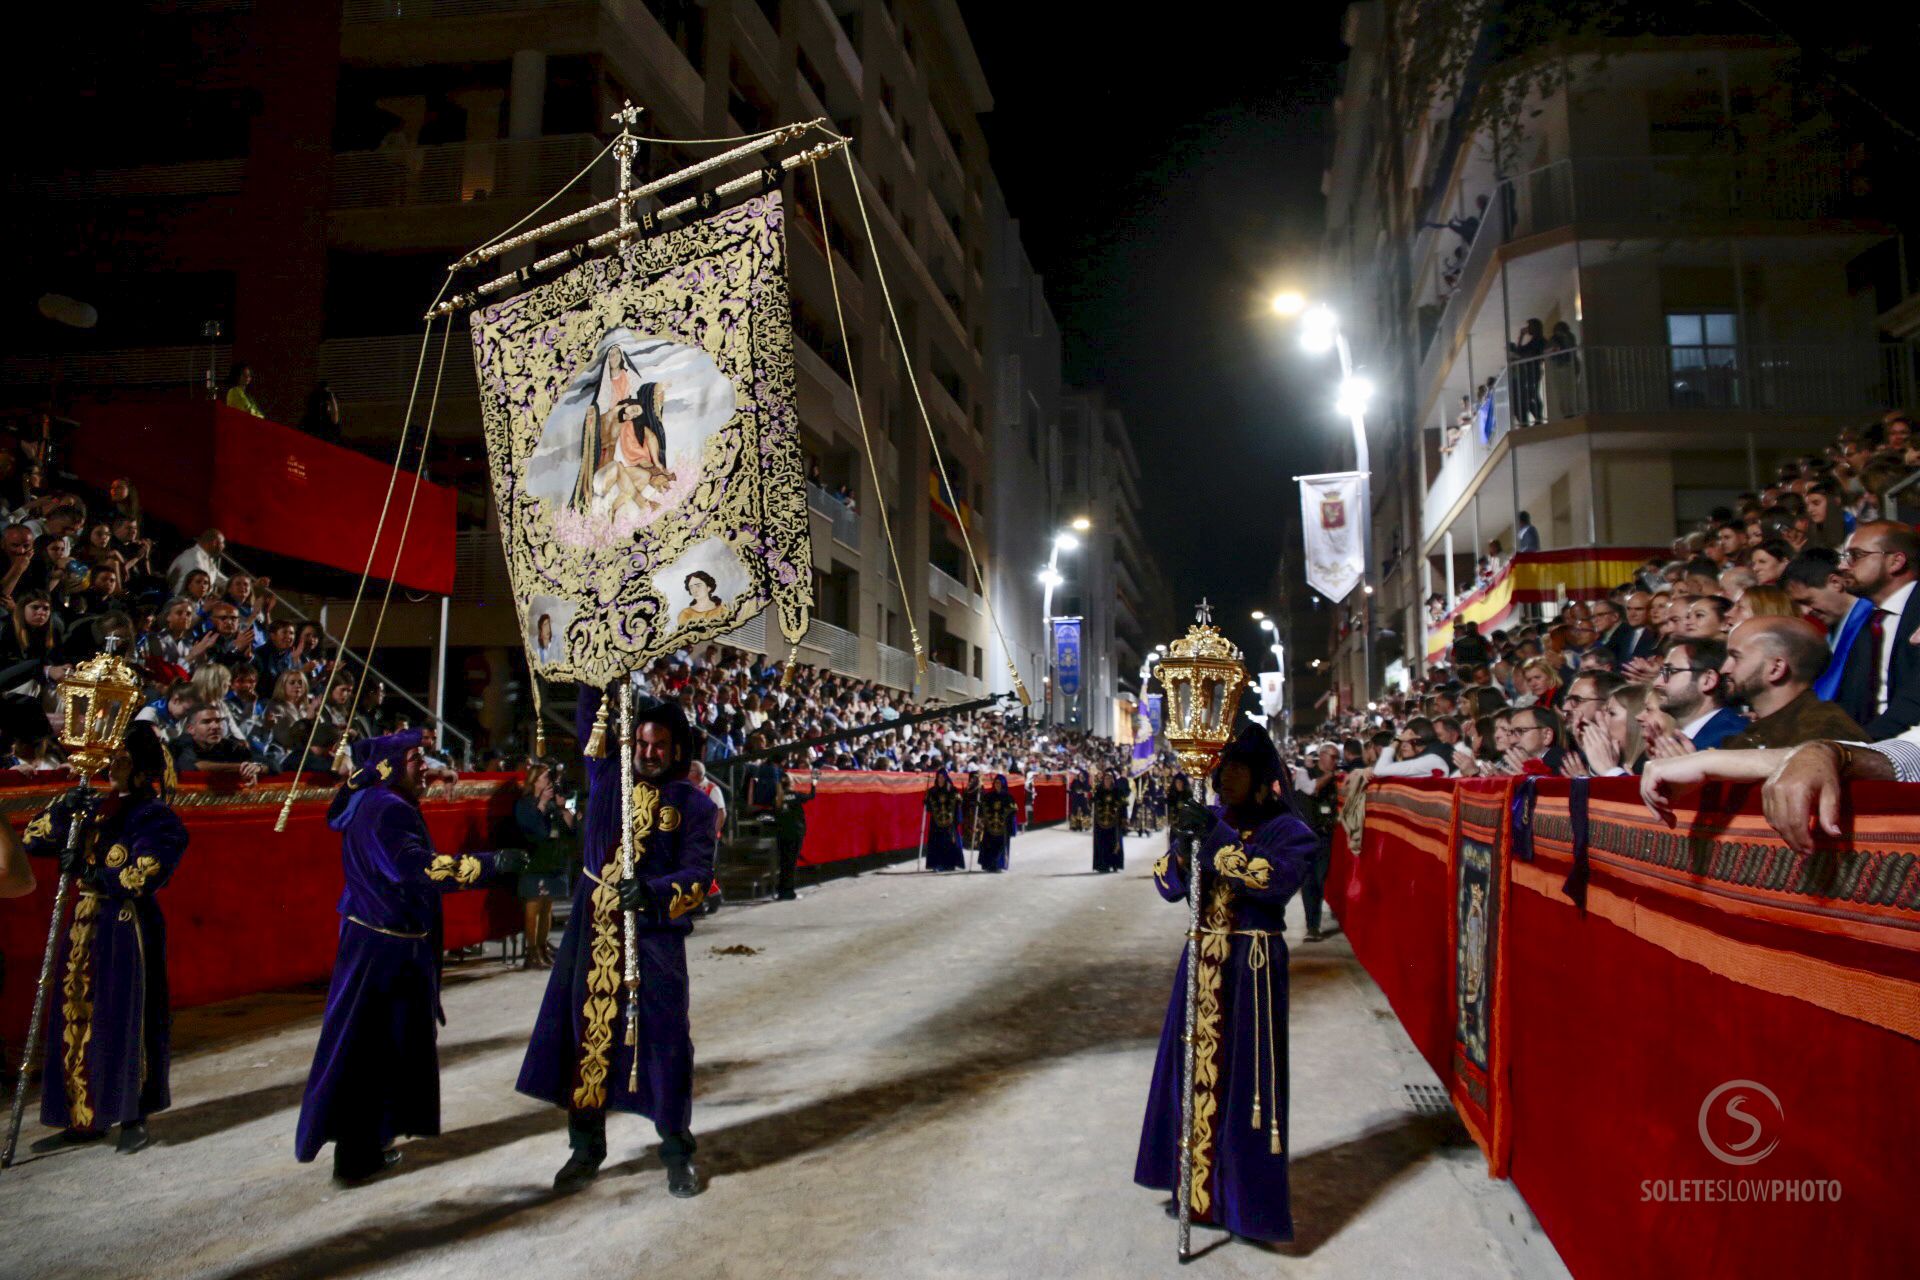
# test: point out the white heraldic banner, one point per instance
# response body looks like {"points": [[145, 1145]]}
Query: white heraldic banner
{"points": [[1333, 509]]}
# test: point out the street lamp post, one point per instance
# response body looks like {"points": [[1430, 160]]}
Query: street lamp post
{"points": [[1319, 332]]}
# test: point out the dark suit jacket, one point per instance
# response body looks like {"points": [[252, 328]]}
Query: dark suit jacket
{"points": [[1903, 675], [1626, 647], [1725, 723]]}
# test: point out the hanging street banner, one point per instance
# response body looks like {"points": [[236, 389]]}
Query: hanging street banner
{"points": [[1155, 705], [641, 433], [1333, 516], [1066, 655]]}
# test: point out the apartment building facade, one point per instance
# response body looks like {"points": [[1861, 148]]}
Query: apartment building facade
{"points": [[1711, 263], [335, 157]]}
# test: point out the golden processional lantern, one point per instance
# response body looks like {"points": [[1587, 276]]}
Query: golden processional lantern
{"points": [[1202, 675], [99, 698]]}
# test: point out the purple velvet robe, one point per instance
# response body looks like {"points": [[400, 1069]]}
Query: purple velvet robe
{"points": [[1109, 815], [376, 1069], [1240, 1032], [578, 1057], [999, 823], [109, 1028], [944, 850]]}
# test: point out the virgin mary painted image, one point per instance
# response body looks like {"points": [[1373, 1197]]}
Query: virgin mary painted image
{"points": [[623, 444]]}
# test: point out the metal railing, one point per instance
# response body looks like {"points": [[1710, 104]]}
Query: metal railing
{"points": [[841, 647], [845, 520], [363, 370], [446, 731], [1769, 378], [357, 12], [1657, 191], [942, 679], [459, 172], [945, 585], [896, 666], [122, 367], [188, 178]]}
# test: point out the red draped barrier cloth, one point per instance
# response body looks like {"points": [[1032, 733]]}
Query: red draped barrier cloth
{"points": [[249, 910], [859, 815], [199, 465], [1710, 966]]}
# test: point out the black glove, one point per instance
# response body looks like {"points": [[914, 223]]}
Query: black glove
{"points": [[510, 861], [1192, 819], [78, 806], [633, 894]]}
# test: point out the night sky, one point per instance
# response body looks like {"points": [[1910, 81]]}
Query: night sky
{"points": [[1167, 178]]}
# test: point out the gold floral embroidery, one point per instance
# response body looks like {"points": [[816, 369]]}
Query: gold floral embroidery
{"points": [[1233, 863], [463, 869], [603, 988], [1216, 945], [76, 1009], [649, 814], [117, 856], [134, 878], [1161, 867], [40, 828], [685, 900], [669, 817]]}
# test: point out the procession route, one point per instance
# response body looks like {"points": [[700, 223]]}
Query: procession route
{"points": [[909, 1075]]}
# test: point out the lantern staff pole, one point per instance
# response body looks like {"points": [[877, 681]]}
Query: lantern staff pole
{"points": [[82, 817]]}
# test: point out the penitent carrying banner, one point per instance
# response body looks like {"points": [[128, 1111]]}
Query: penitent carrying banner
{"points": [[1333, 516], [641, 433]]}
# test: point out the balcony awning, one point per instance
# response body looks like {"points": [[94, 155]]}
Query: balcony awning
{"points": [[201, 465], [1584, 573]]}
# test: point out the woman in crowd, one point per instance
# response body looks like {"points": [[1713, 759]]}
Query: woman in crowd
{"points": [[168, 650], [96, 543], [289, 712], [1540, 679], [239, 391], [123, 500], [1760, 602], [1612, 742], [1769, 560], [104, 592], [28, 645], [197, 590], [239, 593], [211, 684]]}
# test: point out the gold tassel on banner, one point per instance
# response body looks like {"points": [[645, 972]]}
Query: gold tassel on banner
{"points": [[786, 675], [597, 740], [539, 720], [1019, 686], [342, 756]]}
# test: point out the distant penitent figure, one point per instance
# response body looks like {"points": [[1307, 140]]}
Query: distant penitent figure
{"points": [[943, 825], [1109, 822], [1250, 853], [999, 823]]}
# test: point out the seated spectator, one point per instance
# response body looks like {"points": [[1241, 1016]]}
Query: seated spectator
{"points": [[1540, 683], [289, 713], [277, 656], [211, 684], [203, 555], [238, 394], [1691, 689], [1611, 741], [1771, 666], [238, 592], [94, 543], [168, 652], [246, 709], [1534, 734], [103, 593], [1882, 561], [1417, 756], [225, 641], [1760, 602], [168, 713], [1768, 560], [1704, 617], [28, 642], [207, 747]]}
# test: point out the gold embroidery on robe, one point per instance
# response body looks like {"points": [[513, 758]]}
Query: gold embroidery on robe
{"points": [[40, 828], [463, 869], [76, 1009], [603, 990], [1233, 863], [1216, 945], [134, 878], [1161, 867], [117, 856], [669, 817], [685, 900]]}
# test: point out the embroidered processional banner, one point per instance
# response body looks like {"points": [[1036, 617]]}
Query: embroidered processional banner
{"points": [[640, 428], [1333, 515], [1480, 855]]}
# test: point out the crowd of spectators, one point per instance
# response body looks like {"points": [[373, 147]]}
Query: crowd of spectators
{"points": [[1790, 618]]}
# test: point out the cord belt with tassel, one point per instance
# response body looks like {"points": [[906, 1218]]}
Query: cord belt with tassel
{"points": [[1260, 967]]}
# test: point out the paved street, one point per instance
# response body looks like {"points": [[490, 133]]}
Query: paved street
{"points": [[909, 1076]]}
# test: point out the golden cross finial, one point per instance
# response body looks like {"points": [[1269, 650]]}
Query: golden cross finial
{"points": [[628, 115]]}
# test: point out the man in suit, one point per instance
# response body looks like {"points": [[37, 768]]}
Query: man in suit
{"points": [[1820, 591], [1639, 638], [1883, 560], [1691, 689]]}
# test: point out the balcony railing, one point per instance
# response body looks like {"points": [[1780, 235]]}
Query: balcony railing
{"points": [[1765, 378], [840, 646], [459, 172], [380, 370], [363, 11], [1661, 193], [944, 681], [120, 367], [845, 520], [943, 585], [896, 666]]}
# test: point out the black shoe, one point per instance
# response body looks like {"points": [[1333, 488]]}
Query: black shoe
{"points": [[683, 1180], [1314, 935], [63, 1139], [581, 1168], [786, 895], [133, 1137], [355, 1170]]}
